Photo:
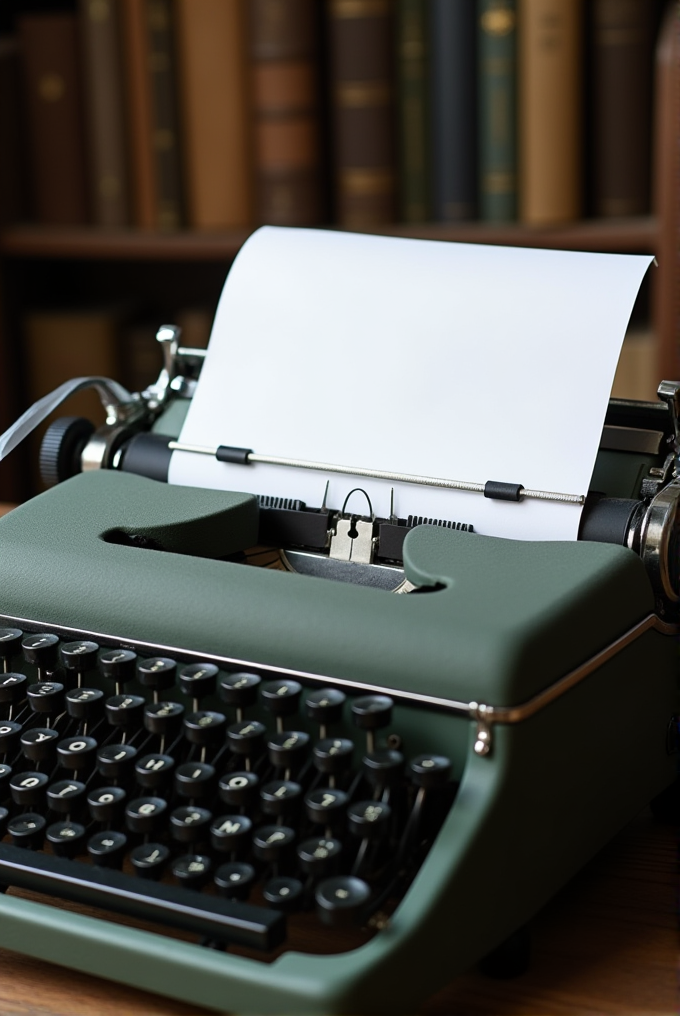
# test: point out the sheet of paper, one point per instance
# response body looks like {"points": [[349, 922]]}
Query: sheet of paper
{"points": [[446, 360]]}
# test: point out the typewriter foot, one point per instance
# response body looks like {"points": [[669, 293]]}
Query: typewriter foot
{"points": [[510, 958], [665, 806]]}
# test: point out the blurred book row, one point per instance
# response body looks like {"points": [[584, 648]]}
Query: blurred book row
{"points": [[212, 114]]}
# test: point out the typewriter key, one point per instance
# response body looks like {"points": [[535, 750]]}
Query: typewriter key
{"points": [[190, 824], [342, 900], [333, 755], [118, 665], [369, 819], [107, 848], [159, 673], [76, 753], [125, 711], [235, 880], [27, 830], [79, 657], [231, 833], [9, 735], [5, 773], [273, 843], [195, 780], [28, 789], [85, 704], [239, 691], [281, 698], [46, 697], [288, 749], [205, 727], [67, 797], [371, 713], [164, 718], [326, 806], [281, 798], [246, 738], [39, 744], [198, 680], [283, 893], [239, 789], [145, 815], [192, 870], [116, 761], [153, 771], [13, 688], [67, 839], [320, 856], [4, 815], [324, 706], [106, 804], [149, 859], [429, 771], [10, 644], [383, 769], [41, 651]]}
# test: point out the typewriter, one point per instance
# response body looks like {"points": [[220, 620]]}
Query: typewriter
{"points": [[331, 782]]}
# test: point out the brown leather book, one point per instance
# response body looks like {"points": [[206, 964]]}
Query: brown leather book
{"points": [[139, 111], [13, 194], [550, 118], [361, 70], [214, 108], [285, 87], [49, 44], [107, 157], [622, 105]]}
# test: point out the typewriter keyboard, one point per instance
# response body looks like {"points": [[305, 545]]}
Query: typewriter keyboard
{"points": [[228, 804]]}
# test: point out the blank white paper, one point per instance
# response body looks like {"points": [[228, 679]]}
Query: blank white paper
{"points": [[450, 360]]}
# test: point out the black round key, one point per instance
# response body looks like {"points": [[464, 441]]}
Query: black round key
{"points": [[235, 880], [149, 860], [383, 769], [320, 856], [429, 771], [198, 679], [324, 705], [46, 697], [195, 780], [85, 704], [231, 832], [239, 690], [145, 815], [283, 893], [116, 761], [273, 842], [192, 870], [10, 643], [77, 752], [288, 749], [281, 697], [40, 650], [326, 806], [66, 797], [28, 789], [281, 798], [369, 819], [159, 673], [106, 804], [246, 738], [27, 830], [205, 727], [153, 772], [125, 711], [163, 718], [118, 665], [39, 744], [107, 848], [239, 789], [79, 657], [370, 712], [5, 773], [10, 731], [13, 688], [66, 838], [333, 755], [4, 816], [341, 900], [189, 824]]}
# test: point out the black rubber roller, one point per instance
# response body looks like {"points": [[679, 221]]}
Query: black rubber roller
{"points": [[62, 447]]}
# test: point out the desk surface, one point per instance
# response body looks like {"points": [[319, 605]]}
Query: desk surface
{"points": [[607, 945]]}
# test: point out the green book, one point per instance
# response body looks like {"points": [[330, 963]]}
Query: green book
{"points": [[412, 111], [497, 36]]}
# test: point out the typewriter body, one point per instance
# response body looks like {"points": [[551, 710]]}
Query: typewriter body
{"points": [[510, 705]]}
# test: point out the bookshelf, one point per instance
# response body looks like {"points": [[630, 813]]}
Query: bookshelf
{"points": [[166, 269]]}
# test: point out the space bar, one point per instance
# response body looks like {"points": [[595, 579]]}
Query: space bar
{"points": [[229, 921]]}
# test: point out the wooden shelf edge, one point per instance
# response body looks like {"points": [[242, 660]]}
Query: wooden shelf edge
{"points": [[638, 235]]}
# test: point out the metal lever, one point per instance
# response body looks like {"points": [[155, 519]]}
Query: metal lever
{"points": [[669, 392]]}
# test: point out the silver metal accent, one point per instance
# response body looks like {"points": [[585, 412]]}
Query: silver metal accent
{"points": [[379, 474], [631, 439], [359, 548], [173, 378], [482, 745], [669, 392], [659, 540]]}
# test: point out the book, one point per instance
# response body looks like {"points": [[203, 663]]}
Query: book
{"points": [[150, 67], [413, 110], [497, 128], [550, 111], [622, 105], [361, 75], [453, 73], [107, 156], [13, 195], [214, 112], [52, 87], [285, 105]]}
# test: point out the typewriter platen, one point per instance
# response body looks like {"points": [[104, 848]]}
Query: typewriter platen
{"points": [[405, 733]]}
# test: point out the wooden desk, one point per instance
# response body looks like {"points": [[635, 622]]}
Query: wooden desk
{"points": [[606, 945]]}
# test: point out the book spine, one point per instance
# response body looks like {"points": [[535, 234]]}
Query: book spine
{"points": [[164, 119], [13, 196], [99, 34], [413, 111], [284, 54], [550, 60], [497, 110], [361, 58], [214, 112], [138, 109], [49, 45], [454, 126], [622, 75]]}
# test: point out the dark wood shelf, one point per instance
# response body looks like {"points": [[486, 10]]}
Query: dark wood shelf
{"points": [[30, 241]]}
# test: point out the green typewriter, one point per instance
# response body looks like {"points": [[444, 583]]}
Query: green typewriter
{"points": [[331, 782]]}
